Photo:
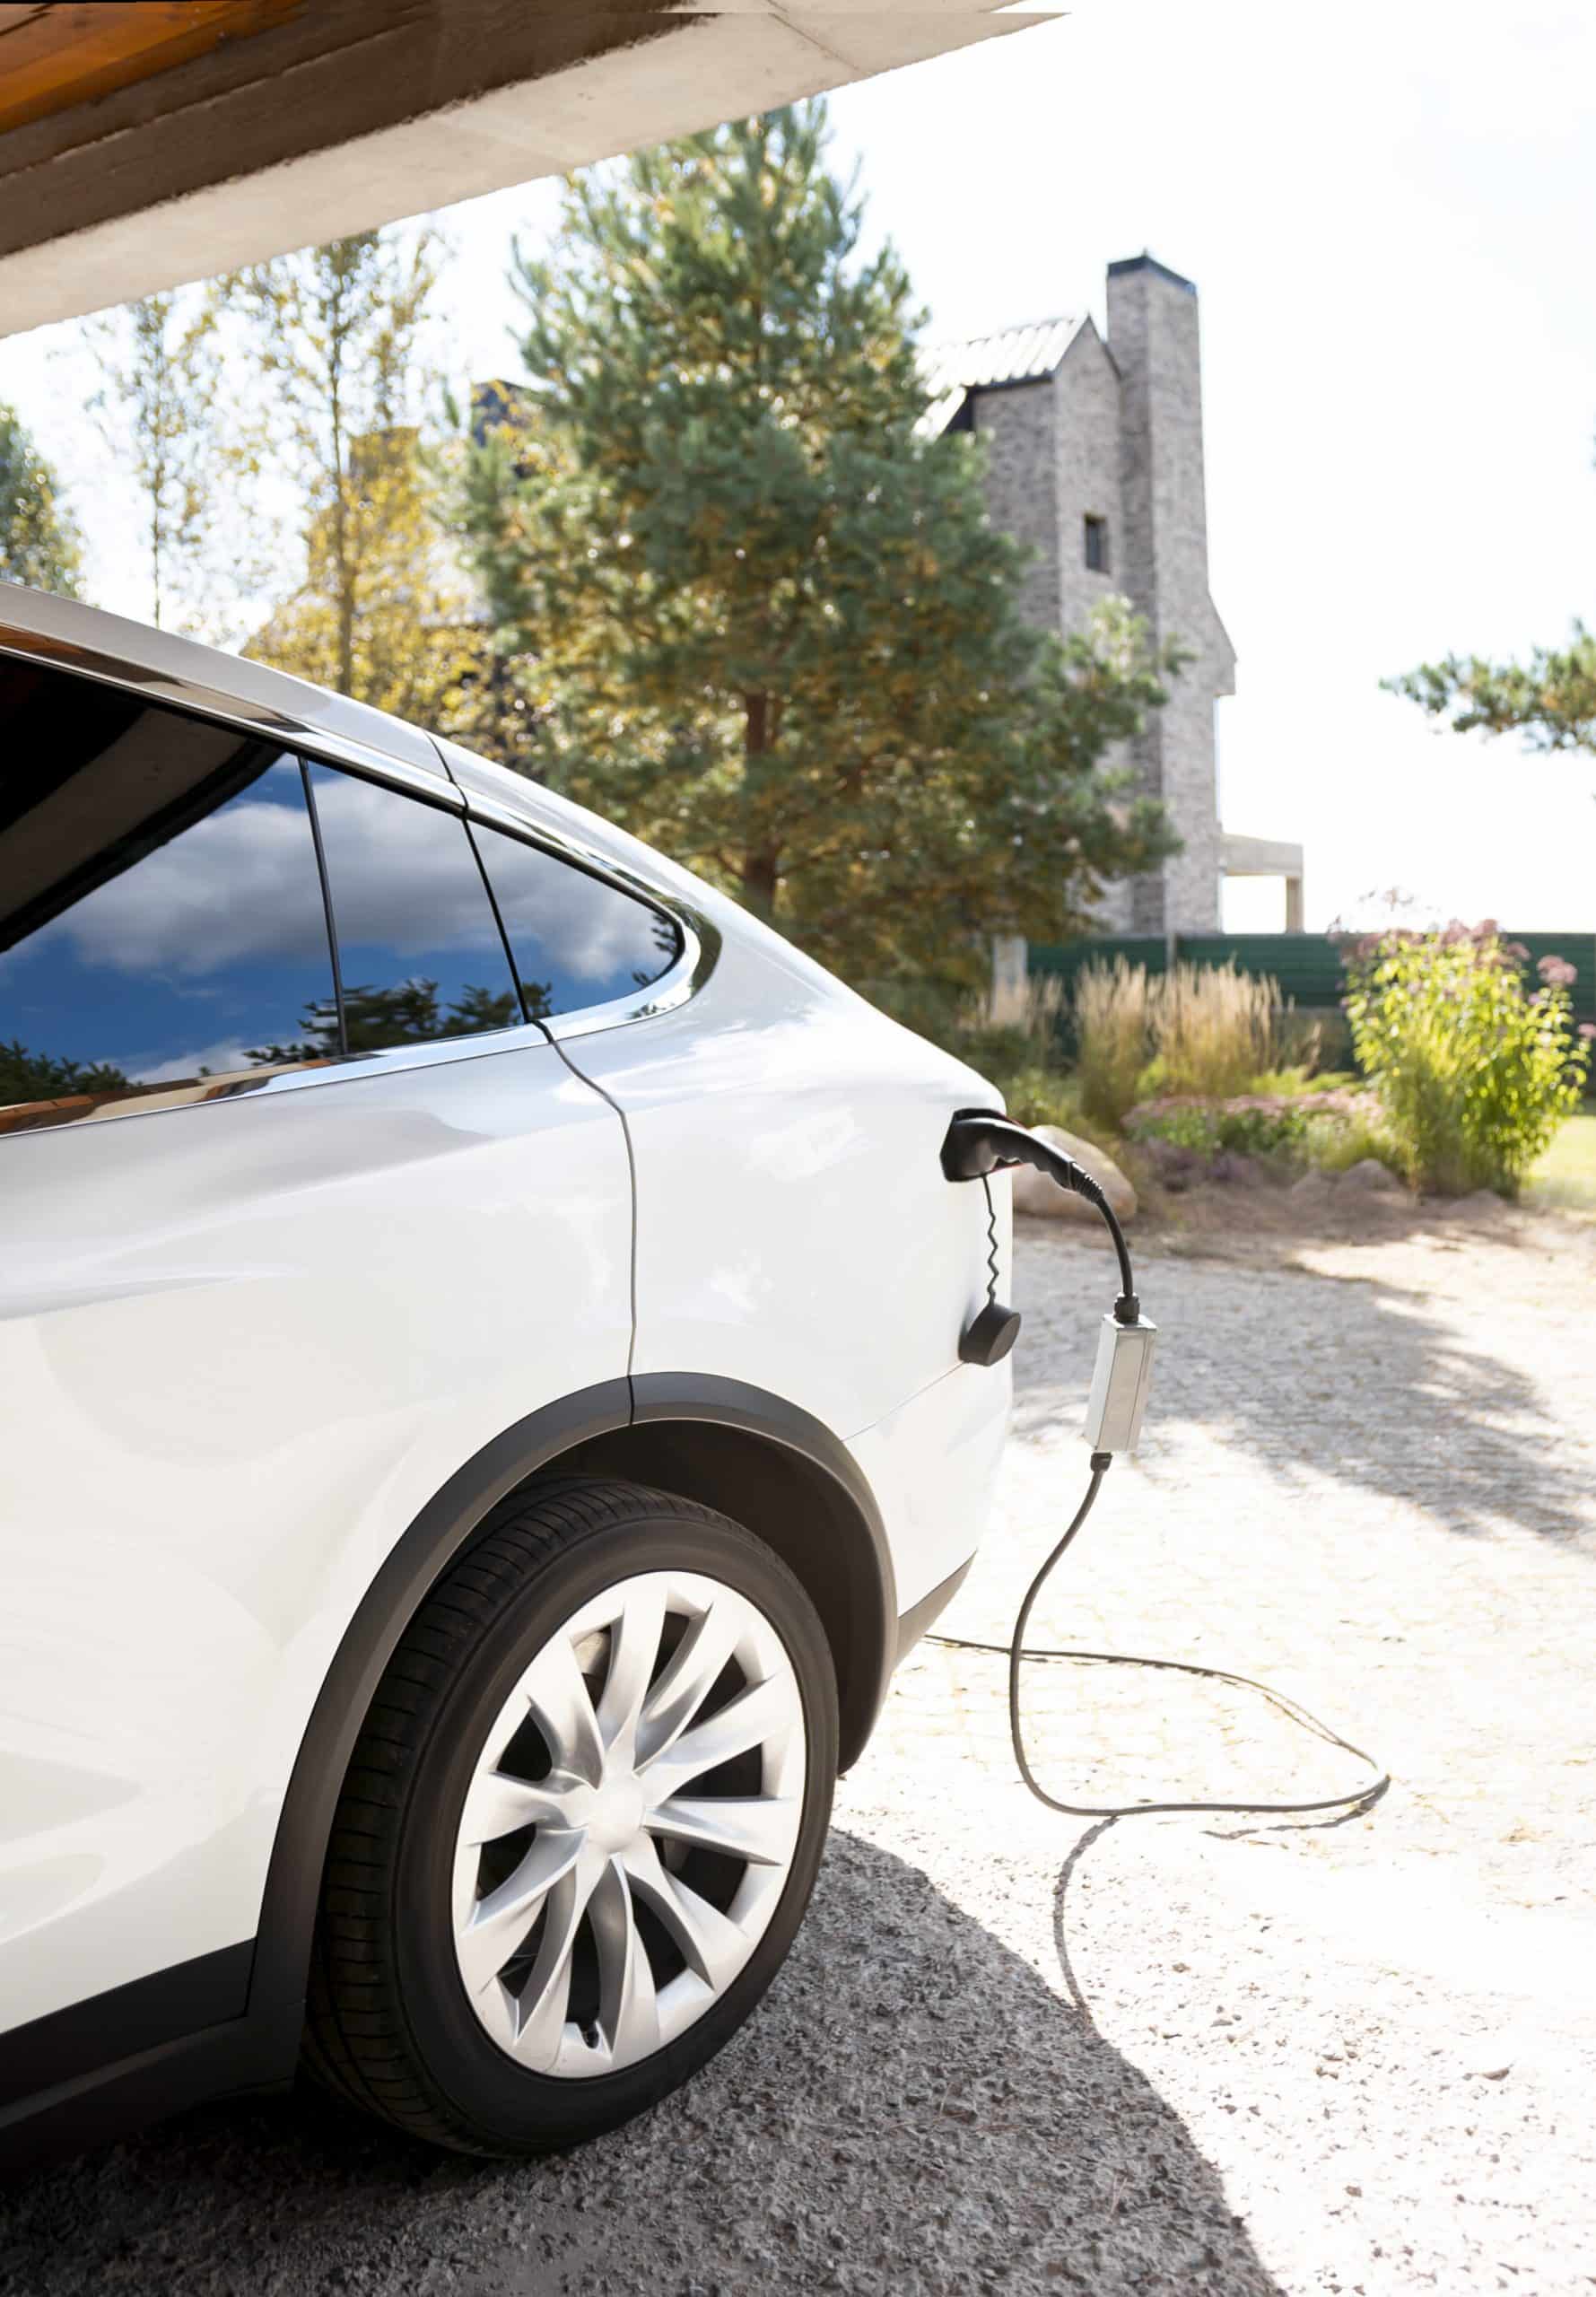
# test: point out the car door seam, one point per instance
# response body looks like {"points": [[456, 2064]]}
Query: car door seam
{"points": [[595, 1086]]}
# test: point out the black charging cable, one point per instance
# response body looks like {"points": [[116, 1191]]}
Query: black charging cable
{"points": [[978, 1144]]}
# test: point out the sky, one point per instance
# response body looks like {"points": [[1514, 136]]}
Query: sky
{"points": [[1390, 213]]}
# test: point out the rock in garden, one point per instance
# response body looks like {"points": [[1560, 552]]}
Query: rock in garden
{"points": [[1176, 1168], [1036, 1194], [1233, 1165], [1371, 1174], [1481, 1204], [1314, 1188]]}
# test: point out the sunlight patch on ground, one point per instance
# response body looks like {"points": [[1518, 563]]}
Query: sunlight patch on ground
{"points": [[1565, 1177]]}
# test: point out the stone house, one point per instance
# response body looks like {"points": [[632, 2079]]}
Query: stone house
{"points": [[1095, 461]]}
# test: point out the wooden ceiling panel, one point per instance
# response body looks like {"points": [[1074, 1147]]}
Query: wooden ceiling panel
{"points": [[57, 53]]}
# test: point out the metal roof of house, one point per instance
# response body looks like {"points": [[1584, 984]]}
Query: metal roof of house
{"points": [[1015, 354]]}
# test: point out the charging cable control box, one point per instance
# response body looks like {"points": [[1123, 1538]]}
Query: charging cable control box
{"points": [[1120, 1383]]}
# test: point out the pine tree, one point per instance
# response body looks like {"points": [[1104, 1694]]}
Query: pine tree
{"points": [[38, 541], [1550, 699], [754, 615]]}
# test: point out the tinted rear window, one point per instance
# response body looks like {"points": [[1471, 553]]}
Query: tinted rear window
{"points": [[577, 940], [420, 952], [160, 910]]}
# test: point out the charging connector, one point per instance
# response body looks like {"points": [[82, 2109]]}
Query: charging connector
{"points": [[980, 1142], [1120, 1382]]}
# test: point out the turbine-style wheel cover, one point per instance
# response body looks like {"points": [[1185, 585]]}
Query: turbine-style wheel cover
{"points": [[630, 1824]]}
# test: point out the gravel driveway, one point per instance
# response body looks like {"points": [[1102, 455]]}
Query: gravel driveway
{"points": [[1012, 2051]]}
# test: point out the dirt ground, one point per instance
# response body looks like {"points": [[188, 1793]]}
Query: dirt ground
{"points": [[1017, 2051]]}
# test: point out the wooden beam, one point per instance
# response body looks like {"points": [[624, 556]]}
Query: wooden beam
{"points": [[350, 113], [53, 57]]}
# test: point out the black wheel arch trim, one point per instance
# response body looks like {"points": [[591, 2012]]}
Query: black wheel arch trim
{"points": [[733, 1403], [101, 2067], [424, 1553], [412, 1564], [706, 1397], [230, 2020], [58, 2049]]}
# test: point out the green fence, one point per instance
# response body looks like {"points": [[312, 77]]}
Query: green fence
{"points": [[1307, 965]]}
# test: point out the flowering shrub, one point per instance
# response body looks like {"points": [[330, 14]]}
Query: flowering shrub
{"points": [[1475, 1072]]}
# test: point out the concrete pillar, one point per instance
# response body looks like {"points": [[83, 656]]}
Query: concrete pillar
{"points": [[1010, 978]]}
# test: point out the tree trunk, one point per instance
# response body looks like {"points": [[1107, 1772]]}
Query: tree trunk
{"points": [[341, 481], [760, 868], [761, 874]]}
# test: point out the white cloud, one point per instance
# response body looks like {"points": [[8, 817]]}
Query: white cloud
{"points": [[242, 886], [238, 886], [593, 932]]}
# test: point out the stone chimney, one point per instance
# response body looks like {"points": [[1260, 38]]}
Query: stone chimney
{"points": [[1163, 567]]}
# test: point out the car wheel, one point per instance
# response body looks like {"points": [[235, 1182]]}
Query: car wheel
{"points": [[581, 1826]]}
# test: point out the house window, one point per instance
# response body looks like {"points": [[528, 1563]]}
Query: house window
{"points": [[1097, 543]]}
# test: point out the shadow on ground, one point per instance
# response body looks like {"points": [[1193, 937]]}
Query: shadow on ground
{"points": [[1354, 1378], [911, 2109]]}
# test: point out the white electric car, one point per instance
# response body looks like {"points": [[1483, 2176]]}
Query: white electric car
{"points": [[481, 1410]]}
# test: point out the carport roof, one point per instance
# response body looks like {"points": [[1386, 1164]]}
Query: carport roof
{"points": [[142, 145]]}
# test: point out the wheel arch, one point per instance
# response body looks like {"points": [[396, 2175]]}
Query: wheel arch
{"points": [[730, 1446], [787, 1477]]}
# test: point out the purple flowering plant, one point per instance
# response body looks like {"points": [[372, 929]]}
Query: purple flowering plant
{"points": [[1475, 1070]]}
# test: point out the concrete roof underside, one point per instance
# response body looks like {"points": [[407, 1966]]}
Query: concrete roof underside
{"points": [[145, 145]]}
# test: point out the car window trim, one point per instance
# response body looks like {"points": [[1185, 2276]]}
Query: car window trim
{"points": [[481, 871], [681, 979], [700, 937], [167, 691], [427, 789], [328, 918]]}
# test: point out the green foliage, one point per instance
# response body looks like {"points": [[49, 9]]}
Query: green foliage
{"points": [[1012, 1032], [1035, 1093], [1333, 1142], [382, 613], [27, 1076], [1474, 1071], [339, 336], [1208, 1128], [1193, 1128], [757, 619], [1289, 1083], [39, 544], [1550, 699], [405, 1012], [1012, 1039]]}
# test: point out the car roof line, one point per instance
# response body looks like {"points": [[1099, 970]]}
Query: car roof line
{"points": [[182, 672]]}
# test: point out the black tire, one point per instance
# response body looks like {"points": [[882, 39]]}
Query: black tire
{"points": [[389, 2027]]}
